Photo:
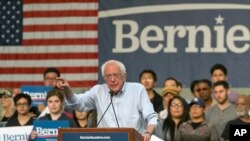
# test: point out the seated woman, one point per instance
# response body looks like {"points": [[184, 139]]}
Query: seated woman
{"points": [[55, 102], [21, 116], [8, 106]]}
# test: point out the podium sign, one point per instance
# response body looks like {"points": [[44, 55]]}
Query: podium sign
{"points": [[94, 136], [100, 134]]}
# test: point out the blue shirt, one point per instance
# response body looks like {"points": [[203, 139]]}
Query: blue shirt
{"points": [[132, 106]]}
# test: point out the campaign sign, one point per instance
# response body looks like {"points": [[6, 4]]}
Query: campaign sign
{"points": [[11, 134], [38, 93], [47, 130], [94, 136], [239, 132]]}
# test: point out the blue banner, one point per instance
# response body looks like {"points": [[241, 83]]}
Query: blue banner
{"points": [[181, 39], [37, 93], [48, 130]]}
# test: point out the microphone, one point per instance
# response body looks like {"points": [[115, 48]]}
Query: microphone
{"points": [[104, 113], [111, 101]]}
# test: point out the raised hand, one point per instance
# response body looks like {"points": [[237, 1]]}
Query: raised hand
{"points": [[62, 83]]}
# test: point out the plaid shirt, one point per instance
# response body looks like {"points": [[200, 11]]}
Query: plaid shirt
{"points": [[204, 132]]}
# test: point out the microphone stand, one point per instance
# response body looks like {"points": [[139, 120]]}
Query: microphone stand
{"points": [[111, 103], [111, 99], [104, 114]]}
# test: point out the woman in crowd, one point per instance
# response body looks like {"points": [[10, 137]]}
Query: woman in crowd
{"points": [[21, 116], [85, 119], [168, 93], [81, 118], [178, 113], [55, 102], [7, 103]]}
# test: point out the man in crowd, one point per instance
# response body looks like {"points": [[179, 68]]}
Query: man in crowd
{"points": [[223, 111], [204, 90], [148, 79], [242, 111], [219, 73]]}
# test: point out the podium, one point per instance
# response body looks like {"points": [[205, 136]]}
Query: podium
{"points": [[98, 134]]}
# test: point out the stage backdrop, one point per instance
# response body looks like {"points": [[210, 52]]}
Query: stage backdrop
{"points": [[182, 39]]}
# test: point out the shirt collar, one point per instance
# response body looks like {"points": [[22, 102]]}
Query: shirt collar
{"points": [[122, 89]]}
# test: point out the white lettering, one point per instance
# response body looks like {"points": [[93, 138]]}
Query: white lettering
{"points": [[43, 131], [220, 32], [232, 38], [170, 41], [145, 38], [37, 95], [237, 132], [192, 38], [240, 132], [7, 137], [120, 36], [201, 38]]}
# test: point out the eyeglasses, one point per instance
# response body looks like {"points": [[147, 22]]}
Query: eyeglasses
{"points": [[22, 104], [115, 76], [174, 105], [202, 89], [50, 78]]}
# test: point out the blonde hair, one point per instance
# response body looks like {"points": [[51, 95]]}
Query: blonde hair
{"points": [[11, 109]]}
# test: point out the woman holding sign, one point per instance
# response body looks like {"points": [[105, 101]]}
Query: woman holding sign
{"points": [[55, 101]]}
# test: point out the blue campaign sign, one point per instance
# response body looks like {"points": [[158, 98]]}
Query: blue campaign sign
{"points": [[38, 93], [94, 136], [181, 39], [47, 130]]}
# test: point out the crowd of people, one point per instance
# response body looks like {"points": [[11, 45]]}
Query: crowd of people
{"points": [[118, 103]]}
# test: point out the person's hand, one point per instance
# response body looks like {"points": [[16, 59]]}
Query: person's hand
{"points": [[15, 91], [31, 115], [62, 83], [41, 107], [33, 135], [146, 136]]}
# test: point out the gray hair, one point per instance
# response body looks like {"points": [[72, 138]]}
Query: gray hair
{"points": [[118, 63]]}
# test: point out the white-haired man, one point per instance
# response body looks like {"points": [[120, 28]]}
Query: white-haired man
{"points": [[131, 105], [242, 111]]}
